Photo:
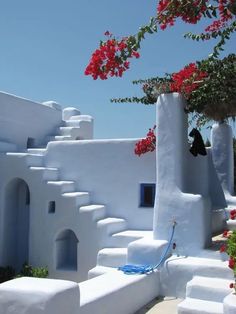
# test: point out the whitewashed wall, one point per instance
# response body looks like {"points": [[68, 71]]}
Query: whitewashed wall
{"points": [[108, 170], [111, 172], [21, 118]]}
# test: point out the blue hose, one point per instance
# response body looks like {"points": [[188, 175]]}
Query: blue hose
{"points": [[146, 269]]}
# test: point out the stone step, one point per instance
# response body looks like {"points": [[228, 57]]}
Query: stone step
{"points": [[64, 186], [231, 224], [80, 198], [196, 306], [37, 151], [48, 173], [112, 257], [111, 225], [96, 211], [31, 159], [72, 123], [181, 270], [207, 288], [67, 130], [100, 270], [54, 138], [123, 238]]}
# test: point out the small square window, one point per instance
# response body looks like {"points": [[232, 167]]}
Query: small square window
{"points": [[147, 195], [30, 142], [51, 207]]}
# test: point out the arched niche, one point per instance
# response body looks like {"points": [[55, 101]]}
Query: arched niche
{"points": [[66, 250], [16, 217]]}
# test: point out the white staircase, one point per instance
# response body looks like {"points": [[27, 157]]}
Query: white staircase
{"points": [[115, 251], [204, 295], [112, 257], [70, 130], [113, 232]]}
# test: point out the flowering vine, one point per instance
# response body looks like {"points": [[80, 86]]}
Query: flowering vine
{"points": [[147, 144], [187, 80], [201, 85], [230, 249], [111, 58]]}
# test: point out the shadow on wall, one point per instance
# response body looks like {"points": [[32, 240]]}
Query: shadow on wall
{"points": [[16, 223], [66, 250]]}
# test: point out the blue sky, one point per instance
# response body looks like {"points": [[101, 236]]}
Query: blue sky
{"points": [[46, 45]]}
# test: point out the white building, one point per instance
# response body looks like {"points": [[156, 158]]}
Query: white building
{"points": [[83, 207]]}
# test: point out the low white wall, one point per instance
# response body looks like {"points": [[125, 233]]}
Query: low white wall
{"points": [[39, 296], [111, 172], [114, 293], [21, 118], [117, 293]]}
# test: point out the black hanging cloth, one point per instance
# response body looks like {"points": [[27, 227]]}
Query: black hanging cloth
{"points": [[197, 146]]}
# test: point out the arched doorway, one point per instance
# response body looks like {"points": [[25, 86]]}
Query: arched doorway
{"points": [[66, 250], [16, 223]]}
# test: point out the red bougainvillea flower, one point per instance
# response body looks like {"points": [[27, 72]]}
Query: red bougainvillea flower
{"points": [[224, 17], [223, 248], [187, 80], [233, 214], [215, 26], [110, 59], [225, 14], [225, 234], [232, 263], [189, 11], [146, 145]]}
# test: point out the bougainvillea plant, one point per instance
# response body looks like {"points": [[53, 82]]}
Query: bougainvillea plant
{"points": [[201, 85], [199, 82], [111, 58], [230, 249], [147, 144]]}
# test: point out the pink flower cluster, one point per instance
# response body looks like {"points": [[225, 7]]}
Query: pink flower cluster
{"points": [[224, 17], [147, 144], [110, 59], [187, 80], [228, 248], [233, 214], [189, 11]]}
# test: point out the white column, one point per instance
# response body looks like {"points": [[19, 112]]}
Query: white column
{"points": [[222, 155], [170, 159], [191, 211]]}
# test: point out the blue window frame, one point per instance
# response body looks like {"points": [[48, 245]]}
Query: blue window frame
{"points": [[147, 194]]}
